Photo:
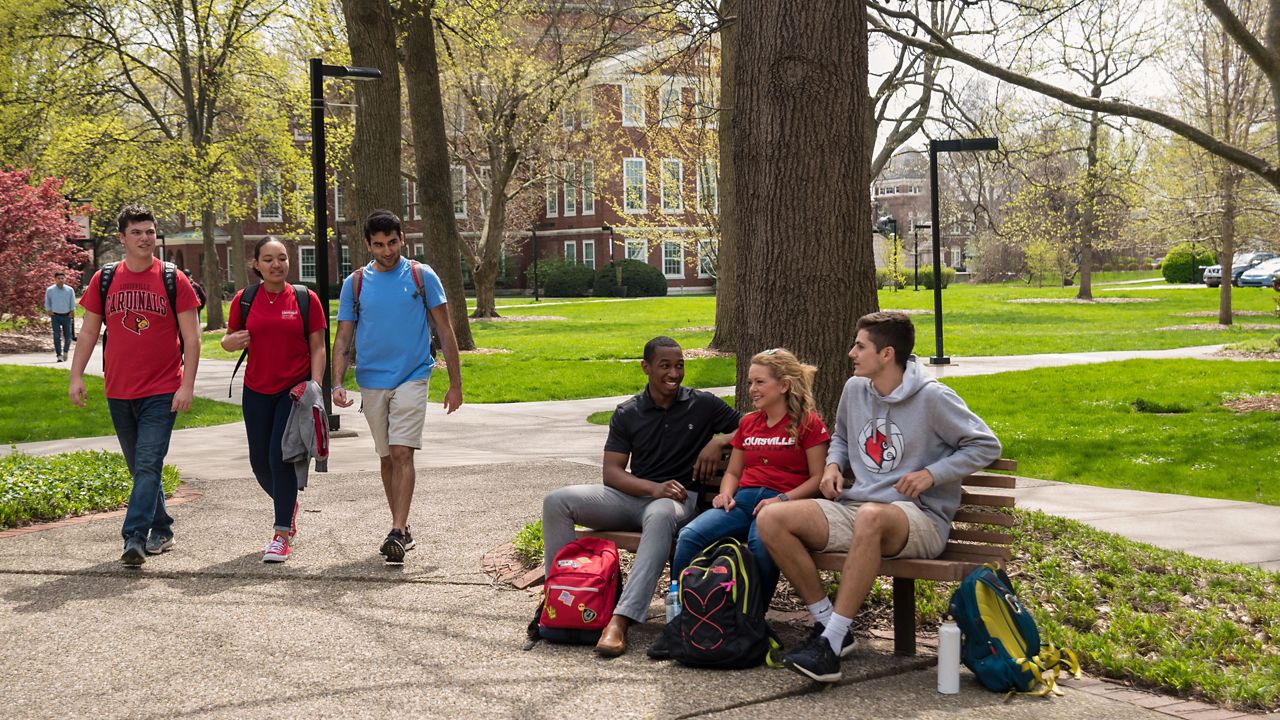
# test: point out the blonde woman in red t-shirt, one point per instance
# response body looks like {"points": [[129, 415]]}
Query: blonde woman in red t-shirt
{"points": [[281, 355], [778, 454]]}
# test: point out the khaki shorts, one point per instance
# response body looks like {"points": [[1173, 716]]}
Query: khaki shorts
{"points": [[395, 416], [923, 540]]}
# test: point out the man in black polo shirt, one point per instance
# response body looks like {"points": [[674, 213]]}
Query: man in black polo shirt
{"points": [[669, 434]]}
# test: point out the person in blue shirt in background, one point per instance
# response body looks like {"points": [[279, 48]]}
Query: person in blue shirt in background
{"points": [[392, 333], [60, 303]]}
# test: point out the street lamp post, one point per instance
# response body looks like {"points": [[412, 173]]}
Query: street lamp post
{"points": [[534, 232], [320, 71], [915, 230], [164, 253], [935, 147]]}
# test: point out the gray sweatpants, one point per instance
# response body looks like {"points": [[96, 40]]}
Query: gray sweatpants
{"points": [[604, 508]]}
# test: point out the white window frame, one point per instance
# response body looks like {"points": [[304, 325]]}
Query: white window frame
{"points": [[406, 198], [485, 187], [644, 191], [704, 254], [585, 108], [571, 252], [667, 247], [230, 276], [708, 170], [344, 260], [589, 253], [676, 178], [337, 201], [417, 251], [633, 98], [552, 197], [566, 116], [303, 252], [636, 250], [957, 257], [588, 187], [458, 176], [264, 205], [670, 105], [570, 190]]}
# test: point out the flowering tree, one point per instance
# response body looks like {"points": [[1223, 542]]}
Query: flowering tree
{"points": [[34, 226]]}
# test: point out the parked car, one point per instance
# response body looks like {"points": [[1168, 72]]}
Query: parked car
{"points": [[1239, 264], [1260, 274]]}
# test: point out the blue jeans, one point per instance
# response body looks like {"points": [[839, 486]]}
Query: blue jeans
{"points": [[738, 523], [264, 420], [63, 328], [143, 427]]}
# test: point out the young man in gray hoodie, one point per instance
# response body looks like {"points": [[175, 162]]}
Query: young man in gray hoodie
{"points": [[910, 440]]}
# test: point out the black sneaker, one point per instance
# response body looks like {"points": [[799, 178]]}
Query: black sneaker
{"points": [[846, 646], [660, 649], [409, 544], [135, 552], [393, 547], [158, 543], [815, 661]]}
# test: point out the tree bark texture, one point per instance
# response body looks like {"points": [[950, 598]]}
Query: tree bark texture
{"points": [[239, 270], [212, 276], [375, 147], [431, 159], [805, 267], [726, 335], [1089, 227], [1227, 192]]}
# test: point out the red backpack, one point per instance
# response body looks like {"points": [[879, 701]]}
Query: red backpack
{"points": [[581, 591]]}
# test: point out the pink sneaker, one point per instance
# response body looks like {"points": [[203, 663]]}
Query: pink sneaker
{"points": [[293, 524], [277, 550]]}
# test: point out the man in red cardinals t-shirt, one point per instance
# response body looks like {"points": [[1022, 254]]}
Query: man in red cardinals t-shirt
{"points": [[148, 379]]}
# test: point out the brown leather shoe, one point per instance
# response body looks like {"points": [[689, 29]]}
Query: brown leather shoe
{"points": [[613, 639]]}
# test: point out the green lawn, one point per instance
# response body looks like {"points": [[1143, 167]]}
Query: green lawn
{"points": [[34, 406]]}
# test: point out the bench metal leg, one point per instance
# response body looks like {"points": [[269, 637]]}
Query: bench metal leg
{"points": [[904, 616]]}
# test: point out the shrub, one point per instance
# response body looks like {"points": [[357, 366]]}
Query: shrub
{"points": [[528, 543], [1176, 267], [641, 280], [885, 278], [926, 276], [49, 487], [563, 279]]}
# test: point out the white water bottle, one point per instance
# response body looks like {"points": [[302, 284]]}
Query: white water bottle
{"points": [[673, 602], [949, 658]]}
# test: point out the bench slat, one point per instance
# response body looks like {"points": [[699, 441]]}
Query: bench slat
{"points": [[984, 518], [981, 536], [1005, 464], [989, 480], [972, 549], [986, 499], [624, 539]]}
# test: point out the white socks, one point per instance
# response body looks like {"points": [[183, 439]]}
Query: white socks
{"points": [[837, 627], [821, 610]]}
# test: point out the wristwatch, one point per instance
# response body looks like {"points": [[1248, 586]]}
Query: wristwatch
{"points": [[782, 497]]}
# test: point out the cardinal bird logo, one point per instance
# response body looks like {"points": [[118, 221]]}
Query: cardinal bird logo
{"points": [[134, 322], [881, 445]]}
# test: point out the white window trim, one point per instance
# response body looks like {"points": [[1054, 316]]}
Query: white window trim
{"points": [[337, 201], [701, 254], [669, 115], [665, 274], [552, 198], [344, 260], [644, 250], [571, 251], [644, 187], [627, 91], [592, 245], [714, 207], [588, 189], [279, 213], [679, 179], [459, 214], [570, 190], [302, 265]]}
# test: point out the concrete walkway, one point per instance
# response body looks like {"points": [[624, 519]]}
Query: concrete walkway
{"points": [[209, 631]]}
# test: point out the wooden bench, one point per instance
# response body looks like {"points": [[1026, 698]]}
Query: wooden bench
{"points": [[979, 535]]}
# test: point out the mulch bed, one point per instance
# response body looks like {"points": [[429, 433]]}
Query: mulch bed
{"points": [[1077, 301], [519, 318], [35, 336], [700, 353], [1210, 327], [1254, 403], [1236, 313]]}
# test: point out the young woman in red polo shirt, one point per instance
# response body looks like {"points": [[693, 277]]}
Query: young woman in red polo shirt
{"points": [[281, 355], [778, 454]]}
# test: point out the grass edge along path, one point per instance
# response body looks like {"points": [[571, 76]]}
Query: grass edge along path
{"points": [[34, 407], [1161, 619], [44, 488]]}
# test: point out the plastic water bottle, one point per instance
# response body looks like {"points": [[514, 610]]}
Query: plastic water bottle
{"points": [[949, 658], [673, 602]]}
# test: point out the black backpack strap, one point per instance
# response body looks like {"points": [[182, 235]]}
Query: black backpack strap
{"points": [[169, 273], [246, 301], [105, 276], [303, 297]]}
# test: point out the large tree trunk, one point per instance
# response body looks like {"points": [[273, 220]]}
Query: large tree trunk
{"points": [[1227, 191], [431, 159], [212, 275], [375, 148], [1089, 228], [235, 256], [805, 268], [726, 336], [484, 264]]}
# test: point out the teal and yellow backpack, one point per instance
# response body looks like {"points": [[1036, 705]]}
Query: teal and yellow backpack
{"points": [[1001, 644]]}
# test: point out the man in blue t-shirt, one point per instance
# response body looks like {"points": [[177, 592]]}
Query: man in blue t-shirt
{"points": [[393, 357]]}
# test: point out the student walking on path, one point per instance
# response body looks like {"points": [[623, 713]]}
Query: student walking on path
{"points": [[149, 365], [389, 307], [60, 303], [284, 339]]}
